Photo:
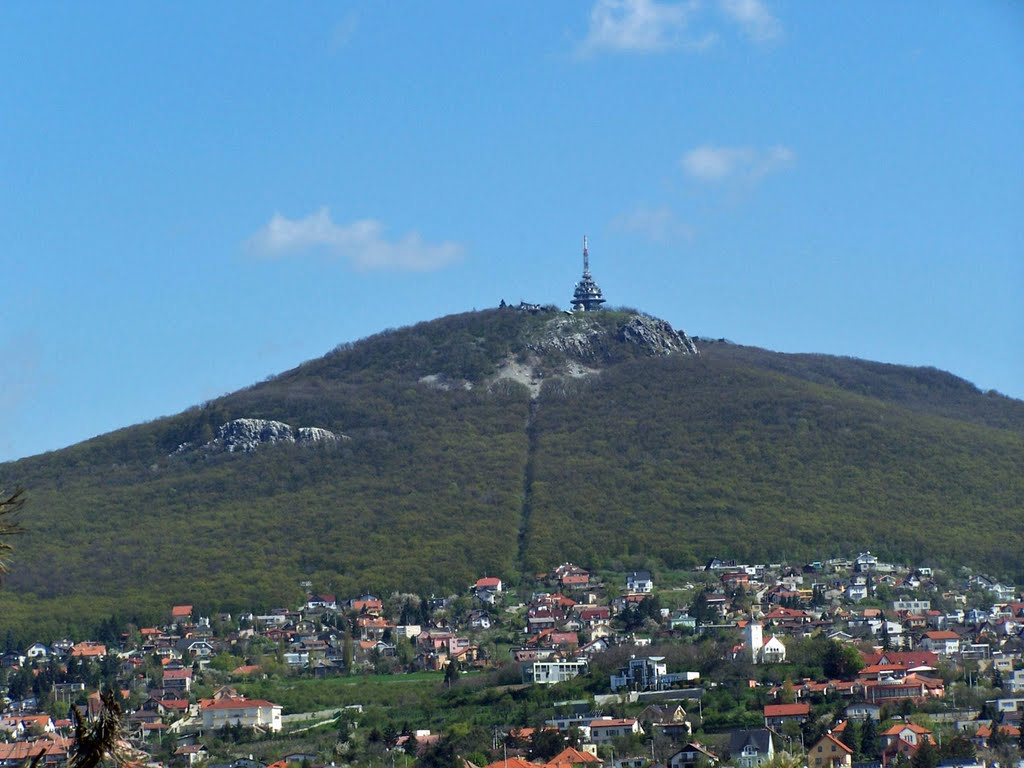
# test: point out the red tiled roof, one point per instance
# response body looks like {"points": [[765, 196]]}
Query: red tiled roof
{"points": [[786, 710], [235, 704], [900, 727], [572, 756], [834, 740], [512, 762]]}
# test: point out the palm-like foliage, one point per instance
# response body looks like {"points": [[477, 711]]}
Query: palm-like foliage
{"points": [[100, 741]]}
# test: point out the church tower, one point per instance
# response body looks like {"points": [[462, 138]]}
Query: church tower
{"points": [[587, 296]]}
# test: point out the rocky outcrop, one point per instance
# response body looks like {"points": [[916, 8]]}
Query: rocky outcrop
{"points": [[576, 336], [656, 336], [579, 345], [244, 435], [589, 339]]}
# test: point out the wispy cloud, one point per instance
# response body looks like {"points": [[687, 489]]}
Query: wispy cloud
{"points": [[658, 224], [717, 164], [754, 18], [343, 31], [361, 243], [648, 26], [639, 26]]}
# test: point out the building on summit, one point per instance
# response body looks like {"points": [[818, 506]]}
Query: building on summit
{"points": [[587, 296]]}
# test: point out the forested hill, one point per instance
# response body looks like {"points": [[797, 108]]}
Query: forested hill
{"points": [[503, 442]]}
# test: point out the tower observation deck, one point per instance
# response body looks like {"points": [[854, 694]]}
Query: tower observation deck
{"points": [[587, 296]]}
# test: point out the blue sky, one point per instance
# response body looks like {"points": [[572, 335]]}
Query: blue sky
{"points": [[196, 196]]}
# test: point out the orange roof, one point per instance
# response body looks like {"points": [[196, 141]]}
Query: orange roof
{"points": [[984, 731], [834, 740], [786, 710], [87, 649], [571, 756], [512, 762], [630, 721], [181, 610], [236, 704], [174, 703], [900, 727]]}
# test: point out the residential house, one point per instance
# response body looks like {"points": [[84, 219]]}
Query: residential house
{"points": [[908, 732], [776, 715], [573, 758], [829, 752], [603, 731], [178, 680], [693, 755], [863, 711], [553, 671], [249, 713], [667, 719], [944, 642], [489, 583], [88, 650], [181, 614], [865, 563], [192, 753], [322, 603], [1014, 681], [749, 749], [641, 674], [640, 582], [984, 733], [37, 651]]}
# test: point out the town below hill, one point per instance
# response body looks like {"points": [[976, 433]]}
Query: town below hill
{"points": [[842, 663]]}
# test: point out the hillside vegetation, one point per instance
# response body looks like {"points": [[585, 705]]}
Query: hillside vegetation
{"points": [[450, 472]]}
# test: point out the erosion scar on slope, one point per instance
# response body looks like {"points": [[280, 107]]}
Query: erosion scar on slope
{"points": [[531, 452]]}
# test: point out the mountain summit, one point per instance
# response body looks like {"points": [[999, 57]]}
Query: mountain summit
{"points": [[509, 440]]}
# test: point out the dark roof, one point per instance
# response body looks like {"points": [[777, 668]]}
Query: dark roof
{"points": [[759, 738]]}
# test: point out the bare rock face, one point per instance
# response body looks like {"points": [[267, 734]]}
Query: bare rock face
{"points": [[578, 337], [587, 339], [250, 434], [583, 344], [245, 435], [656, 336]]}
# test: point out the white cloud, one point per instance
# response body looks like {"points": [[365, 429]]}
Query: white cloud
{"points": [[754, 18], [715, 164], [659, 224], [361, 243], [639, 26], [343, 31]]}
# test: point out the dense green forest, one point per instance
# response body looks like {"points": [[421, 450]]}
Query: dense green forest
{"points": [[449, 472]]}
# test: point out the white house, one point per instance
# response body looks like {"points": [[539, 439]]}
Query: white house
{"points": [[604, 730], [37, 651], [550, 672], [944, 642], [640, 582], [249, 713], [774, 651]]}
